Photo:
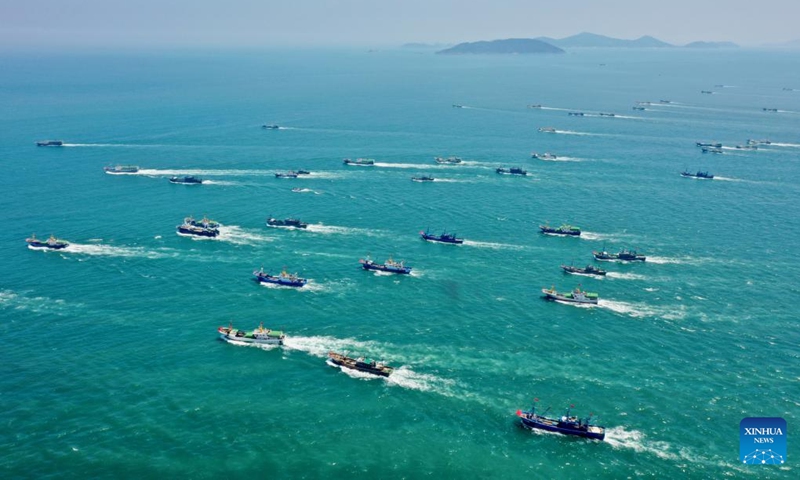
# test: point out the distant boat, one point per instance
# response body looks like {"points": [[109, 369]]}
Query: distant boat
{"points": [[543, 156], [51, 243], [769, 109], [448, 160], [751, 141], [389, 266], [644, 103], [203, 228], [565, 425], [747, 147], [535, 106], [259, 336], [608, 114], [547, 130], [511, 171], [787, 89], [707, 92], [564, 230], [284, 279], [575, 114], [710, 145], [289, 174], [623, 256], [711, 150], [302, 172], [121, 169], [362, 162], [286, 223], [639, 108], [664, 101], [588, 270], [188, 180], [575, 296], [271, 127], [422, 179], [455, 105], [50, 143], [699, 174], [361, 364], [443, 238]]}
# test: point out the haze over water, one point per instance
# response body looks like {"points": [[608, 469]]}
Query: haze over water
{"points": [[113, 365]]}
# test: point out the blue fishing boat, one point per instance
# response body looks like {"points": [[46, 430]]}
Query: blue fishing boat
{"points": [[448, 160], [699, 174], [361, 364], [289, 174], [187, 180], [511, 171], [589, 270], [285, 279], [624, 255], [709, 145], [51, 243], [443, 238], [567, 424], [121, 169], [286, 223], [389, 266], [271, 127], [563, 230], [202, 228], [422, 179], [360, 162], [50, 143]]}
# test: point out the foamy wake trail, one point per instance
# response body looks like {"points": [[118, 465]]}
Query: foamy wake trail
{"points": [[664, 260], [103, 145], [556, 108], [333, 229], [635, 310], [562, 159], [305, 190], [320, 176], [597, 236], [495, 246], [625, 276], [153, 172], [47, 305], [320, 346], [794, 145], [726, 179], [240, 236], [571, 132], [221, 182], [637, 441], [409, 165], [447, 180], [408, 378], [246, 344], [112, 251]]}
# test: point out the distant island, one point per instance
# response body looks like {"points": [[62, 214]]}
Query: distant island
{"points": [[711, 45], [507, 46], [593, 40]]}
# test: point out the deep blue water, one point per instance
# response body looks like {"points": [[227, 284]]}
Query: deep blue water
{"points": [[112, 362]]}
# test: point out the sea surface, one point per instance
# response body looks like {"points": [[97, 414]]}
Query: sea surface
{"points": [[112, 366]]}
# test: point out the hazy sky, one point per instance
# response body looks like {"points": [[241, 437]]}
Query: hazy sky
{"points": [[378, 23]]}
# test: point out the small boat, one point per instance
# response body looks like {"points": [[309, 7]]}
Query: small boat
{"points": [[608, 114], [422, 179], [271, 127], [361, 364], [187, 180], [284, 279], [259, 336], [455, 105], [623, 256], [699, 174], [547, 130], [769, 109], [443, 238], [575, 296], [389, 266], [707, 92], [588, 270], [543, 156], [665, 101], [289, 174], [575, 114], [565, 425], [448, 160], [747, 147], [787, 89], [51, 243], [709, 145], [203, 222], [203, 228], [566, 230], [538, 105], [286, 223], [363, 162], [302, 172], [751, 141], [121, 169], [711, 150], [511, 171], [50, 143], [639, 108], [644, 103]]}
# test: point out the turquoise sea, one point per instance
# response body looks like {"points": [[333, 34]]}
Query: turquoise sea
{"points": [[112, 363]]}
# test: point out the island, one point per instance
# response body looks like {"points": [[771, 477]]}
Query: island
{"points": [[506, 46], [593, 40]]}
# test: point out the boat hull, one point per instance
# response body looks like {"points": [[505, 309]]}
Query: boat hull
{"points": [[272, 280], [568, 299], [377, 267], [560, 233], [48, 246], [253, 341], [198, 232], [431, 238], [591, 432]]}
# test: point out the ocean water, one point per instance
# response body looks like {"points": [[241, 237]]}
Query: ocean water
{"points": [[112, 364]]}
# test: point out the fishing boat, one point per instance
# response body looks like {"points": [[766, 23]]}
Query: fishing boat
{"points": [[575, 296], [707, 92], [443, 238], [121, 169], [285, 279], [565, 425], [547, 130], [709, 145], [665, 101], [271, 127], [361, 162], [203, 222], [751, 141], [455, 105], [448, 160], [608, 114], [50, 143], [51, 243], [203, 228], [575, 114], [564, 230], [286, 223], [711, 150], [624, 255], [543, 156], [588, 270], [747, 147], [769, 109], [389, 266], [187, 180], [289, 174], [641, 109], [699, 174], [302, 172], [511, 171], [259, 336], [535, 106], [423, 178], [361, 364]]}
